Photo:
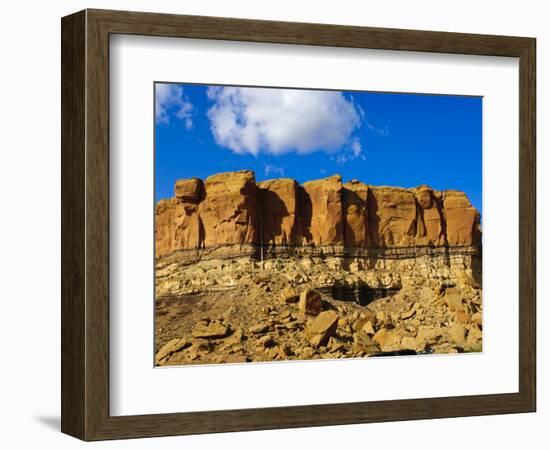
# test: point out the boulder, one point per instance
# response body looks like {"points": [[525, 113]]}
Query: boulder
{"points": [[236, 359], [457, 333], [477, 319], [475, 335], [454, 299], [266, 341], [462, 316], [310, 302], [170, 348], [189, 190], [290, 295], [410, 343], [363, 343], [366, 317], [235, 338], [368, 328], [382, 318], [335, 345], [259, 328], [210, 330], [322, 328], [411, 312], [428, 335], [388, 340]]}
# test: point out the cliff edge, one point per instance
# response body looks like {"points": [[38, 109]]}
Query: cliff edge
{"points": [[230, 210]]}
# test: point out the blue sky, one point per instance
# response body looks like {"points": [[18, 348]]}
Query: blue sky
{"points": [[378, 138]]}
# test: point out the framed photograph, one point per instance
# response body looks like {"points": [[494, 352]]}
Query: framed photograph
{"points": [[273, 225]]}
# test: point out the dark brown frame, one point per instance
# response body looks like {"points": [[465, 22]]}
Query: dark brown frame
{"points": [[85, 224]]}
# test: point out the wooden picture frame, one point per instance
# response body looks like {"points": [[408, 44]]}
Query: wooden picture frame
{"points": [[85, 224]]}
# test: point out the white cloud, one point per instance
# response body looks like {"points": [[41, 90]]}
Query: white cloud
{"points": [[379, 131], [353, 151], [272, 169], [341, 159], [171, 98], [356, 148], [278, 121]]}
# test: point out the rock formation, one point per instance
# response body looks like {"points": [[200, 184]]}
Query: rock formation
{"points": [[392, 214], [278, 205], [231, 210], [356, 218], [178, 224], [462, 220], [276, 270], [431, 228], [325, 196]]}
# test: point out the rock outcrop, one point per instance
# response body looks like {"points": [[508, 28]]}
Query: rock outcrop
{"points": [[178, 224], [461, 218], [278, 205], [327, 224], [276, 270], [356, 218], [229, 213], [232, 211], [431, 229], [392, 217]]}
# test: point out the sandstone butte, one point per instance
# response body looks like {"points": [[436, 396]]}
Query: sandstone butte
{"points": [[231, 210]]}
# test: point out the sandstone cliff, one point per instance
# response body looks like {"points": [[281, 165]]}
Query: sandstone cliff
{"points": [[232, 210]]}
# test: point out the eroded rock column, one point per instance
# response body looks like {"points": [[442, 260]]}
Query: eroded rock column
{"points": [[278, 206], [229, 212]]}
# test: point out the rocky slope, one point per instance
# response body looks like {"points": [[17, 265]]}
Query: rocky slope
{"points": [[269, 318], [392, 269]]}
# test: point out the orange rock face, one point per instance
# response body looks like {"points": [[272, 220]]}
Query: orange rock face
{"points": [[278, 201], [392, 217], [229, 213], [164, 227], [190, 190], [430, 229], [356, 225], [327, 224], [462, 219], [178, 224], [231, 208]]}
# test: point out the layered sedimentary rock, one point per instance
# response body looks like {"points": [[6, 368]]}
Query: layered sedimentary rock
{"points": [[462, 219], [278, 204], [231, 210], [392, 217], [430, 217], [178, 224], [356, 218], [229, 213], [327, 224]]}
